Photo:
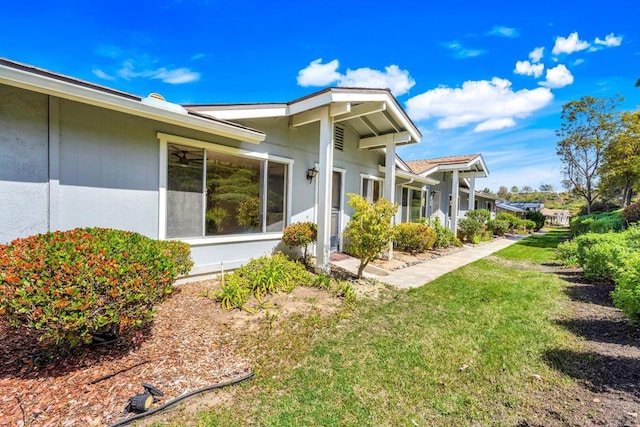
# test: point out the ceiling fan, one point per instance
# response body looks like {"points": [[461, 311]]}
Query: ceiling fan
{"points": [[182, 159]]}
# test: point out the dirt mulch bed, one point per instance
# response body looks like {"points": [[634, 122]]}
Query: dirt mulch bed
{"points": [[190, 345], [606, 367]]}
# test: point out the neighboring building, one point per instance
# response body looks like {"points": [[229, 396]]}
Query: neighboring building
{"points": [[560, 217], [527, 206], [506, 207]]}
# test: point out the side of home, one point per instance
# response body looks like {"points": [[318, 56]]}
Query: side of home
{"points": [[227, 179]]}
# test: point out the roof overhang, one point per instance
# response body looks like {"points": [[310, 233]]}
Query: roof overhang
{"points": [[25, 77], [412, 177], [373, 114], [474, 168]]}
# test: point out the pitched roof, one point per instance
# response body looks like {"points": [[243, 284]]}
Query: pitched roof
{"points": [[369, 112], [40, 80], [421, 166]]}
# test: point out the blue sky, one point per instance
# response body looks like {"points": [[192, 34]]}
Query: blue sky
{"points": [[488, 77]]}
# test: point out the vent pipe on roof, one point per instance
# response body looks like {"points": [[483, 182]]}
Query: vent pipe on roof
{"points": [[158, 101]]}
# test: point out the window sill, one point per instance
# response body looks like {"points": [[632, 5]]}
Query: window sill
{"points": [[235, 238]]}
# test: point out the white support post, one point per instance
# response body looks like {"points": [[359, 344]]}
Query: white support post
{"points": [[455, 184], [390, 180], [325, 176], [54, 163], [472, 194]]}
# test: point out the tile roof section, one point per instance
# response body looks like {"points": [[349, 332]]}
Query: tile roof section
{"points": [[420, 166]]}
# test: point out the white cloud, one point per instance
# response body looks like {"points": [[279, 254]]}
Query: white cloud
{"points": [[502, 31], [528, 69], [461, 52], [399, 81], [609, 41], [557, 77], [176, 76], [319, 74], [492, 105], [536, 54], [101, 74], [495, 124], [578, 62], [570, 44]]}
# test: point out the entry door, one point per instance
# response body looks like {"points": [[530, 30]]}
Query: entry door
{"points": [[336, 209]]}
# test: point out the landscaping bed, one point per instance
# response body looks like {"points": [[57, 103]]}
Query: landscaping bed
{"points": [[190, 345]]}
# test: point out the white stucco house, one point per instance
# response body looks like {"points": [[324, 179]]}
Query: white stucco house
{"points": [[225, 178]]}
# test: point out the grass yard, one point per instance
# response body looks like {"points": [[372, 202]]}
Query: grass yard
{"points": [[467, 348]]}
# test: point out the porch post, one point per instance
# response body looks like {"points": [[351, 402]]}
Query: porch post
{"points": [[325, 176], [390, 180], [455, 184], [472, 193]]}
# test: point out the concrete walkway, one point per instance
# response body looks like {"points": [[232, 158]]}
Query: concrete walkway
{"points": [[419, 274]]}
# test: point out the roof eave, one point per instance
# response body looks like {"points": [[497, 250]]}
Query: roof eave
{"points": [[12, 76]]}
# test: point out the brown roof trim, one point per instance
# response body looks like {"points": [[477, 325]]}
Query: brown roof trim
{"points": [[50, 74], [82, 83]]}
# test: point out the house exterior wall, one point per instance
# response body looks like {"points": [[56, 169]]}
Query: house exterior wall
{"points": [[443, 190], [24, 166], [65, 164], [301, 144]]}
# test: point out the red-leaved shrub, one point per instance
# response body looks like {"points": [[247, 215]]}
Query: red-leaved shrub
{"points": [[69, 286]]}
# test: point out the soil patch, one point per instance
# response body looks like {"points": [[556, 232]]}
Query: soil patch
{"points": [[606, 367], [189, 345]]}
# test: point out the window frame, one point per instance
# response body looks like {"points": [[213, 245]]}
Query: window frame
{"points": [[371, 178], [166, 139]]}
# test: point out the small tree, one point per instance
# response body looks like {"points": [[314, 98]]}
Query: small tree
{"points": [[588, 127], [369, 231]]}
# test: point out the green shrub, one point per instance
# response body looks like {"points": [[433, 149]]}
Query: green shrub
{"points": [[413, 237], [599, 207], [529, 225], [470, 229], [69, 286], [537, 217], [631, 213], [600, 254], [511, 218], [567, 252], [498, 227], [300, 235], [479, 215], [269, 274], [444, 237], [369, 231], [234, 293], [598, 223], [626, 295]]}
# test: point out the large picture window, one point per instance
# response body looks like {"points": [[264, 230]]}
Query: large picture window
{"points": [[214, 193]]}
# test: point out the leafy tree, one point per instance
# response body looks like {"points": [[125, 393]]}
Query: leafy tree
{"points": [[369, 231], [515, 189], [638, 83], [621, 167], [503, 192], [527, 189], [546, 187], [588, 127], [487, 190]]}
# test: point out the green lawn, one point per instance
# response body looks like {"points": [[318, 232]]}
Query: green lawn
{"points": [[463, 349]]}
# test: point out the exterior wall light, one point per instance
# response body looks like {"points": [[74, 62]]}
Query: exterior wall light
{"points": [[311, 173]]}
